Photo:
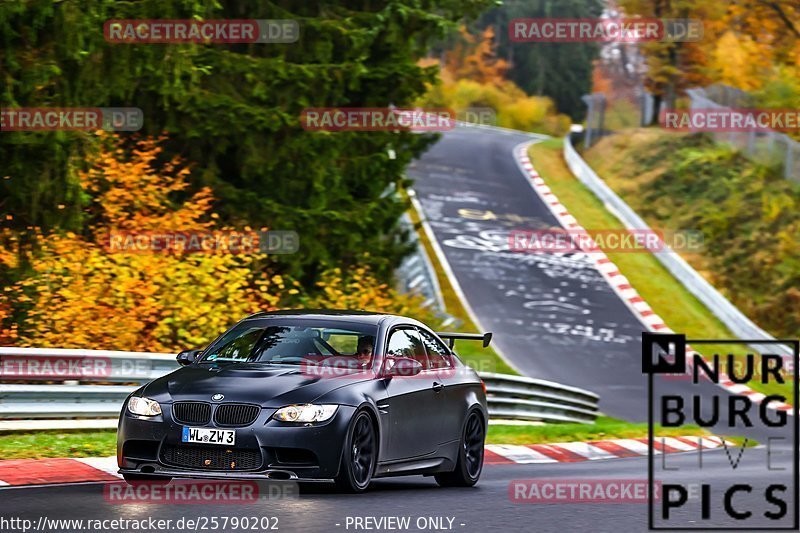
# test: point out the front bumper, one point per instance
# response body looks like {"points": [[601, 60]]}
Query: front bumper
{"points": [[287, 451]]}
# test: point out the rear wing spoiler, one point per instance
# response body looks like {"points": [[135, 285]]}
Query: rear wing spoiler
{"points": [[451, 338]]}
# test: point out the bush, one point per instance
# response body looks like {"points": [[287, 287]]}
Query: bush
{"points": [[472, 76], [749, 214], [71, 291]]}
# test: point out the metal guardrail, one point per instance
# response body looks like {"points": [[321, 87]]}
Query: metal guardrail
{"points": [[735, 320], [62, 401], [416, 274], [509, 397], [521, 398], [41, 364]]}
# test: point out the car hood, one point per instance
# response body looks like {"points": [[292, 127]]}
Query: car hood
{"points": [[268, 386]]}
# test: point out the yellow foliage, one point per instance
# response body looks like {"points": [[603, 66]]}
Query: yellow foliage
{"points": [[476, 58], [8, 243], [8, 330], [78, 294], [83, 296], [132, 191], [513, 108], [74, 292], [472, 76], [358, 289], [738, 61]]}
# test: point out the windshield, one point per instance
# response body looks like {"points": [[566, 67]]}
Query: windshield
{"points": [[290, 342]]}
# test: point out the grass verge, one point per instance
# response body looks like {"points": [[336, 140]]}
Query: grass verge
{"points": [[46, 444], [665, 294]]}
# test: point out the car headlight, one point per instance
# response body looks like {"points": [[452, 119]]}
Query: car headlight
{"points": [[305, 413], [143, 406]]}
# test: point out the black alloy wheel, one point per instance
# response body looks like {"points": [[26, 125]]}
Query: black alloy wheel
{"points": [[470, 455], [359, 455]]}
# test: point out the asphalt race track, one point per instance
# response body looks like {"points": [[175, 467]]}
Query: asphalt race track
{"points": [[487, 507], [553, 317]]}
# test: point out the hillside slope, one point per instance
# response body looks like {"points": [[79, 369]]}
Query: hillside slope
{"points": [[749, 215]]}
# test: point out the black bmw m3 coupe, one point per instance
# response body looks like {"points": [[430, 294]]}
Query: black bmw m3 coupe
{"points": [[309, 396]]}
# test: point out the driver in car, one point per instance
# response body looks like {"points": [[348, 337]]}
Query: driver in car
{"points": [[366, 344]]}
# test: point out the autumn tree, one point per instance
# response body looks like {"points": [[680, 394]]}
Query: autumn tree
{"points": [[475, 58], [472, 76], [560, 71], [76, 292], [753, 45], [233, 110]]}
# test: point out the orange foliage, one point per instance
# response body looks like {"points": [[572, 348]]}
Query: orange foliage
{"points": [[745, 43], [133, 192], [73, 292], [81, 295], [476, 58], [472, 76]]}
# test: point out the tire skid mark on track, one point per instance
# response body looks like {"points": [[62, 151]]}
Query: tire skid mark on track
{"points": [[618, 282]]}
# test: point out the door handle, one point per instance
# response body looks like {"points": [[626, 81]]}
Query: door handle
{"points": [[437, 387]]}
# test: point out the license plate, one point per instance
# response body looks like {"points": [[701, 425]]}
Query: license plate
{"points": [[224, 437]]}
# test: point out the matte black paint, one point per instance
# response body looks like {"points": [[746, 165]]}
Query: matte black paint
{"points": [[419, 418]]}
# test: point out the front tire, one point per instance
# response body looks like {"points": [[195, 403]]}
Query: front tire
{"points": [[359, 455], [470, 455]]}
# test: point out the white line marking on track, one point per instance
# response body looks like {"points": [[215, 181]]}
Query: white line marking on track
{"points": [[519, 454], [104, 464], [634, 445], [587, 450], [677, 444]]}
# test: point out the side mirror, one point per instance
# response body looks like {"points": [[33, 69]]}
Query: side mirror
{"points": [[402, 367], [187, 357]]}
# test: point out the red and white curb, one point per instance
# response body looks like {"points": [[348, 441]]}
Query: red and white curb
{"points": [[26, 472], [619, 283], [20, 472], [573, 452]]}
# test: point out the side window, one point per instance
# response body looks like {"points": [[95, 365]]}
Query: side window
{"points": [[406, 343], [437, 352], [419, 349], [400, 345]]}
